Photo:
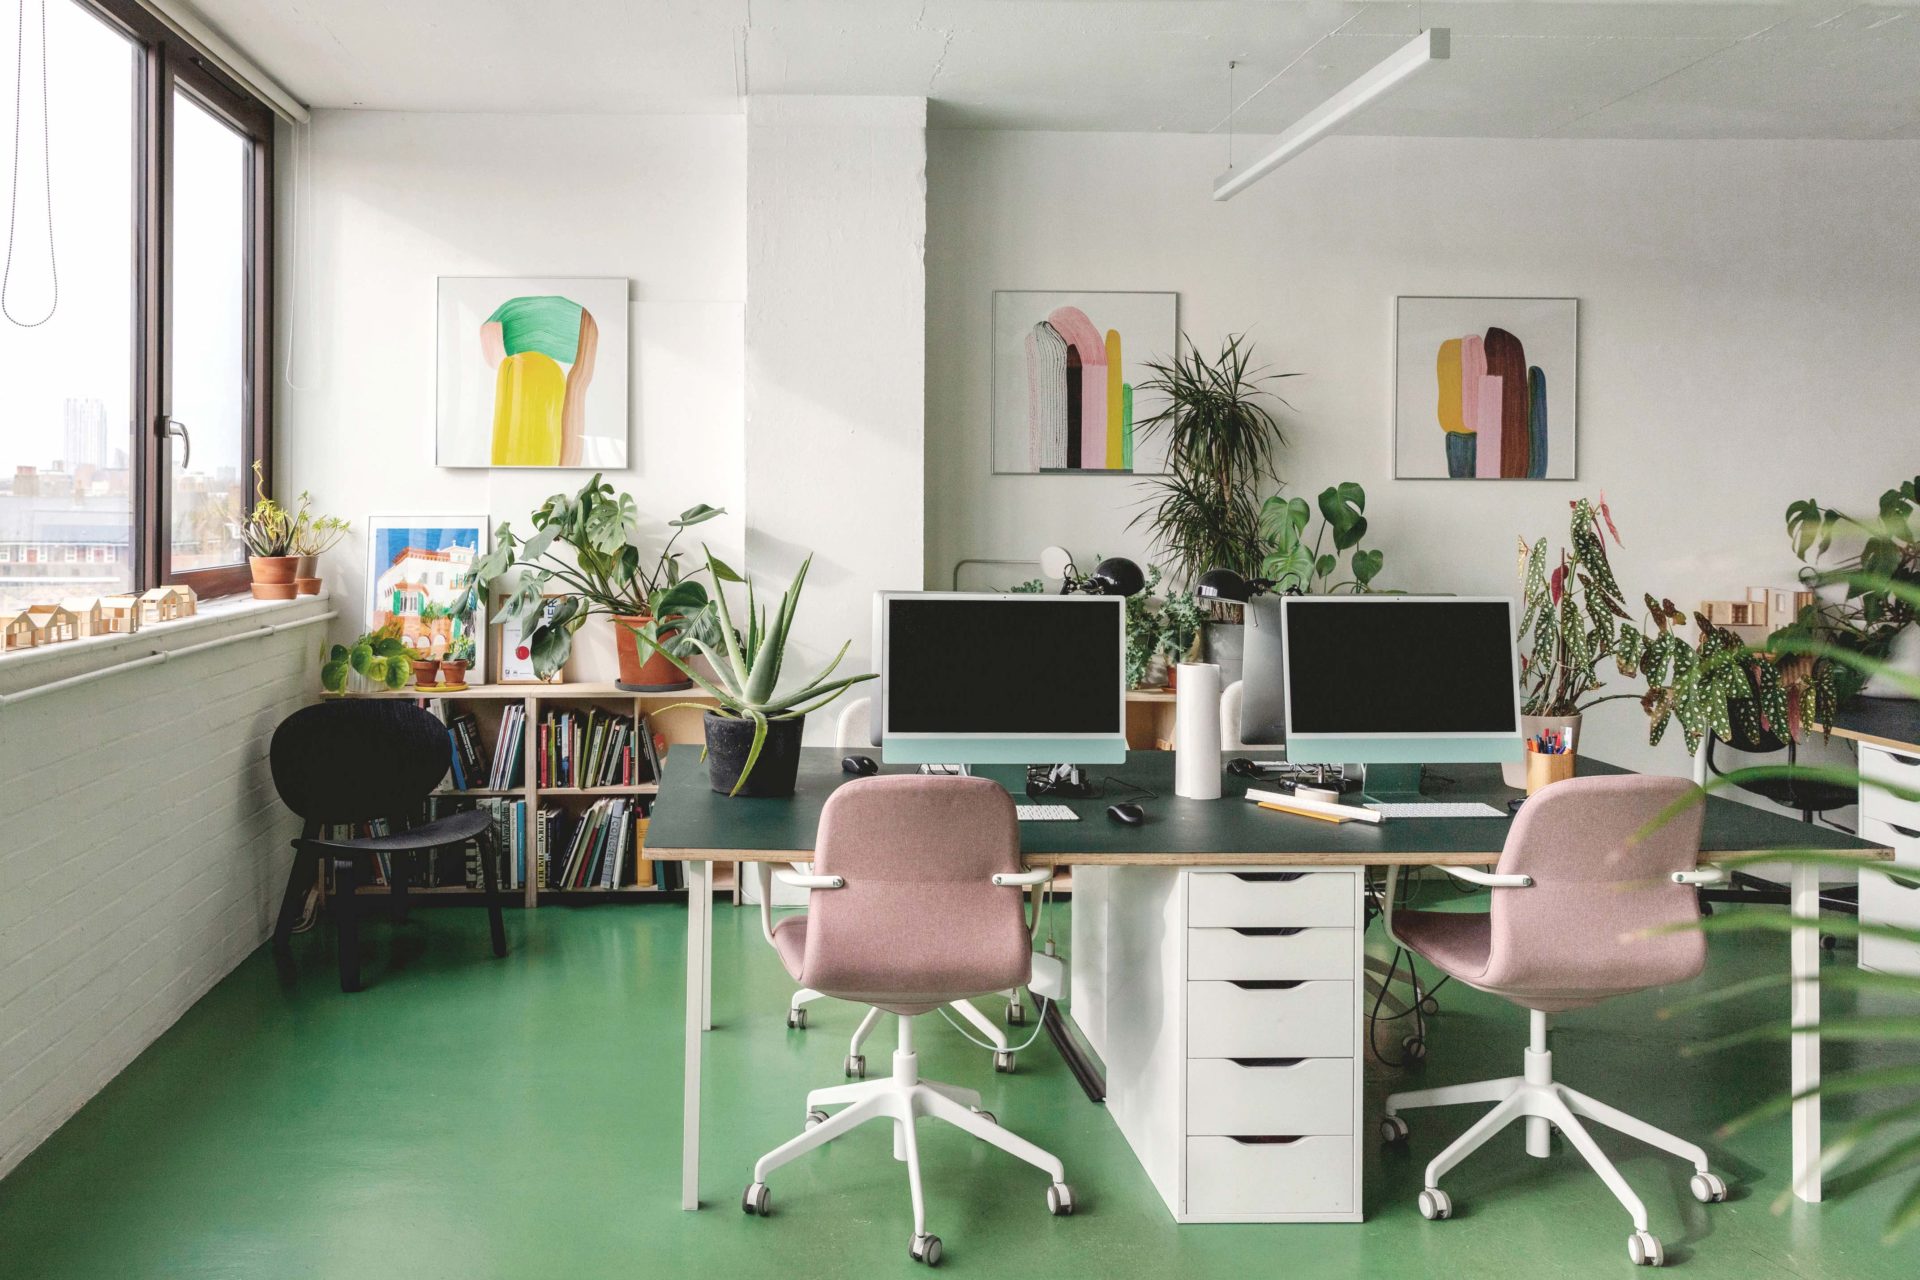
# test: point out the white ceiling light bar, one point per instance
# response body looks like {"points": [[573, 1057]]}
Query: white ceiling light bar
{"points": [[1428, 47]]}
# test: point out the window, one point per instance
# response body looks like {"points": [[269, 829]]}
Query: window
{"points": [[142, 402]]}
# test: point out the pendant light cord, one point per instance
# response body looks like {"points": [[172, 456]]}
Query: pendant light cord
{"points": [[46, 162]]}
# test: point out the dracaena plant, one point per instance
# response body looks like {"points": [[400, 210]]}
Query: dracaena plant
{"points": [[747, 665], [1294, 564], [586, 548], [1883, 1140]]}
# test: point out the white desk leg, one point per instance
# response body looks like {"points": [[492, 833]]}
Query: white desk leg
{"points": [[699, 925], [706, 960], [1803, 958]]}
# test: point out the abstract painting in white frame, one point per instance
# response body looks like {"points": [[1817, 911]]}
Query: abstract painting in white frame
{"points": [[1485, 388]]}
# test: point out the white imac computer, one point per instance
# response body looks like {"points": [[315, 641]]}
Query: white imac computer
{"points": [[1000, 679], [1388, 679]]}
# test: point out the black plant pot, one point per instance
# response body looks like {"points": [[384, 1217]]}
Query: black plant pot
{"points": [[730, 739]]}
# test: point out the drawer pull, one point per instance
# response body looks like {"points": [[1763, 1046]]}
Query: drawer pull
{"points": [[1269, 931], [1266, 1062], [1268, 876], [1901, 882], [1267, 984], [1908, 832], [1263, 1140], [1909, 761]]}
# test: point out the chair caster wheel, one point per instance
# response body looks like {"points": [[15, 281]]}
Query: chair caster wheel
{"points": [[1435, 1204], [1643, 1249], [1707, 1188], [1016, 1014], [1828, 942], [1415, 1048], [1003, 1063], [1393, 1130], [925, 1249], [796, 1019], [816, 1116], [1060, 1200], [756, 1201], [856, 1066], [985, 1114], [1429, 1006]]}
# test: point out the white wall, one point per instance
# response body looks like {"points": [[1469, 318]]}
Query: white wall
{"points": [[836, 297], [1747, 331], [145, 850], [383, 203]]}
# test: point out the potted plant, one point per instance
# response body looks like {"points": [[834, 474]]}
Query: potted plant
{"points": [[1871, 620], [1573, 618], [313, 537], [753, 737], [605, 573], [1220, 437], [454, 663], [268, 532], [1295, 566], [377, 660]]}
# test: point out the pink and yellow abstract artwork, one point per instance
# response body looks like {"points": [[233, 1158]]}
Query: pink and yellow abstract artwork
{"points": [[1485, 399]]}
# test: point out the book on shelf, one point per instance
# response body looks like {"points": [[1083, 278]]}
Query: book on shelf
{"points": [[591, 748], [464, 729], [602, 849], [508, 748]]}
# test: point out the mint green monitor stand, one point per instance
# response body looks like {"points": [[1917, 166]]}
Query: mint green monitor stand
{"points": [[1393, 783]]}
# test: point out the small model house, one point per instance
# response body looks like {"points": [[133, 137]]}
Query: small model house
{"points": [[53, 624], [20, 631], [119, 615], [86, 614], [166, 604]]}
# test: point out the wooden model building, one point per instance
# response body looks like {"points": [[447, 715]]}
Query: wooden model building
{"points": [[119, 615], [86, 614], [20, 631], [53, 624], [166, 604]]}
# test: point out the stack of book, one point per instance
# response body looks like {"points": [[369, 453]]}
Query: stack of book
{"points": [[505, 772], [599, 851], [463, 731], [594, 748]]}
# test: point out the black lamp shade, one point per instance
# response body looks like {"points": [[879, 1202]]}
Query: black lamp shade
{"points": [[1222, 584], [1117, 577]]}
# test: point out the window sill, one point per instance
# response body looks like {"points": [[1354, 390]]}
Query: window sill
{"points": [[24, 669]]}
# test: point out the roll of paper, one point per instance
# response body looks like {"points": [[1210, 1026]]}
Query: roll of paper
{"points": [[1196, 732]]}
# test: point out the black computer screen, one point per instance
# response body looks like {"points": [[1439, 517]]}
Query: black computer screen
{"points": [[1005, 665], [1399, 665]]}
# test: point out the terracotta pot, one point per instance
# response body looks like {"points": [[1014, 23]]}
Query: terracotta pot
{"points": [[273, 577], [306, 575], [426, 671], [1514, 772], [453, 673], [654, 674], [729, 738]]}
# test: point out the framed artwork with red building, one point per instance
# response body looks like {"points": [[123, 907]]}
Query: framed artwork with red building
{"points": [[415, 567]]}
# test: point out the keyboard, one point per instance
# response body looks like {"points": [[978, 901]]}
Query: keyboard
{"points": [[1045, 813], [1438, 809]]}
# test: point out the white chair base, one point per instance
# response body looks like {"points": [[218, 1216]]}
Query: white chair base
{"points": [[1535, 1098], [902, 1099], [856, 1064]]}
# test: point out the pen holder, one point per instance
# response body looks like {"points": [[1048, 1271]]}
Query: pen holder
{"points": [[1544, 769]]}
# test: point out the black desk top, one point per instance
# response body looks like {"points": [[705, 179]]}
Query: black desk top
{"points": [[1884, 722], [690, 821]]}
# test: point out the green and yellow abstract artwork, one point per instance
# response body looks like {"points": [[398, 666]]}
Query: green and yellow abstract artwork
{"points": [[532, 373]]}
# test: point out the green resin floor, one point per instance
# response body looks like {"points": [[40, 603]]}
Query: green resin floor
{"points": [[467, 1117]]}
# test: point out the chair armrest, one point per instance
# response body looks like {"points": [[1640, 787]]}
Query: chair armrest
{"points": [[1489, 879], [801, 881], [1702, 875], [1022, 879]]}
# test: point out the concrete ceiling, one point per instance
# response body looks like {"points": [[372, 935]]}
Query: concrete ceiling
{"points": [[1545, 68]]}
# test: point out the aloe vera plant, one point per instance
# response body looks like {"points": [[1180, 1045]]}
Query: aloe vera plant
{"points": [[746, 666]]}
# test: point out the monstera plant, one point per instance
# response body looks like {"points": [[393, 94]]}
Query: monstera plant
{"points": [[1294, 564]]}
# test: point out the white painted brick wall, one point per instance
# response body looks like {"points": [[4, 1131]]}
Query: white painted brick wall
{"points": [[142, 854]]}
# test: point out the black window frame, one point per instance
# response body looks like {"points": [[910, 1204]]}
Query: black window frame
{"points": [[166, 61]]}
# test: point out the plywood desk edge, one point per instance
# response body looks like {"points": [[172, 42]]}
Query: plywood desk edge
{"points": [[1871, 739], [1150, 858]]}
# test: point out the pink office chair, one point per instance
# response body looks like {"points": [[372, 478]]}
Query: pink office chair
{"points": [[917, 901], [1582, 891]]}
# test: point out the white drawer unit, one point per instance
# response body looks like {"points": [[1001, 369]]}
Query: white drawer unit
{"points": [[1270, 1018], [1891, 898], [1241, 1179], [1232, 1035], [1276, 951], [1896, 769], [1270, 899]]}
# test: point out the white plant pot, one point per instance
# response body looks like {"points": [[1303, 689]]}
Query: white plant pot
{"points": [[1904, 658]]}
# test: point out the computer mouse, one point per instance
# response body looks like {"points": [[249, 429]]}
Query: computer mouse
{"points": [[862, 765], [1127, 815]]}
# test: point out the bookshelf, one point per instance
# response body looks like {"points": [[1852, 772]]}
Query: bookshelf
{"points": [[489, 705]]}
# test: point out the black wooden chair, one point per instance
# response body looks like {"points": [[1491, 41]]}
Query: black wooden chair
{"points": [[342, 763]]}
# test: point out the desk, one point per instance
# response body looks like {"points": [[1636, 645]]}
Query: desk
{"points": [[691, 823], [1888, 731]]}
